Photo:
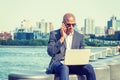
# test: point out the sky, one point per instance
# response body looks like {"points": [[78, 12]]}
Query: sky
{"points": [[12, 12]]}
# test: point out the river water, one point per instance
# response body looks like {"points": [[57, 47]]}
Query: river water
{"points": [[24, 58]]}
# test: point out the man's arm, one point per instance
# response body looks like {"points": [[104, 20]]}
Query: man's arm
{"points": [[54, 45]]}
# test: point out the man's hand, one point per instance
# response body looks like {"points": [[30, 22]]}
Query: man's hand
{"points": [[63, 32]]}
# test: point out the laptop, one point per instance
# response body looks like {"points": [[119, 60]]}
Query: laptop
{"points": [[77, 57]]}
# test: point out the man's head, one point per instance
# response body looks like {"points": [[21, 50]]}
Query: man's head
{"points": [[69, 21]]}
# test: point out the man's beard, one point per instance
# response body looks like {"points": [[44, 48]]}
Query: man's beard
{"points": [[69, 31]]}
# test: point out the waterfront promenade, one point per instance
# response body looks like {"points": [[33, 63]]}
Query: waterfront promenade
{"points": [[36, 58], [108, 69]]}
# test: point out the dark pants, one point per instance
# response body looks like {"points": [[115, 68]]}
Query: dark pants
{"points": [[63, 71]]}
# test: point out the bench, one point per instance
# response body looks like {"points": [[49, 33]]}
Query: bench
{"points": [[102, 73], [38, 75], [114, 65], [114, 70]]}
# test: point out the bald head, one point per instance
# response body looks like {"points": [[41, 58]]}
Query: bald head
{"points": [[67, 17]]}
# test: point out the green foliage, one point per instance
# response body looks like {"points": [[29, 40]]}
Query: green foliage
{"points": [[100, 41], [40, 42], [92, 41]]}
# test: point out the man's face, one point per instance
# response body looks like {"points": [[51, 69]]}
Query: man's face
{"points": [[70, 24]]}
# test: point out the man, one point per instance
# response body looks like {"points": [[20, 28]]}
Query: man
{"points": [[60, 40]]}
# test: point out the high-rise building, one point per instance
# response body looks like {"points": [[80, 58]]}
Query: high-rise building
{"points": [[114, 24], [117, 25], [45, 27], [111, 31], [99, 31], [89, 26], [51, 26]]}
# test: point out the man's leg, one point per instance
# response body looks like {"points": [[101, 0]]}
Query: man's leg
{"points": [[90, 74], [83, 70], [62, 70]]}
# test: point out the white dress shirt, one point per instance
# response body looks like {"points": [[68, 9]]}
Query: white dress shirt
{"points": [[69, 40]]}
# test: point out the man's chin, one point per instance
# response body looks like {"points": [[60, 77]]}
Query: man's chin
{"points": [[69, 32]]}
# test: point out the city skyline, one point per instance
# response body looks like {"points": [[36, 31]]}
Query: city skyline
{"points": [[14, 11]]}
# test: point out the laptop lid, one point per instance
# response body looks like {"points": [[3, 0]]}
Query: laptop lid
{"points": [[77, 57]]}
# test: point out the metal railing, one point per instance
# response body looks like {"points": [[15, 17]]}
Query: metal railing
{"points": [[108, 52]]}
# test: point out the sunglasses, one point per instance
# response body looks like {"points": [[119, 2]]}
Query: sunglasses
{"points": [[69, 25]]}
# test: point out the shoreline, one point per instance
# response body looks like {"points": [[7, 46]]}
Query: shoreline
{"points": [[14, 46], [9, 46]]}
